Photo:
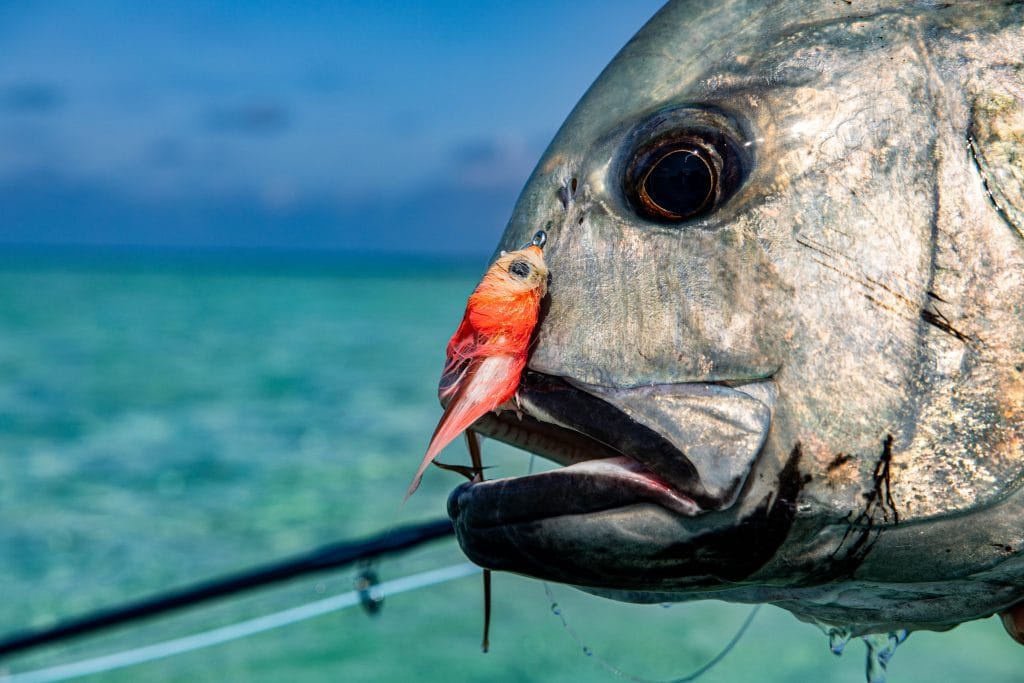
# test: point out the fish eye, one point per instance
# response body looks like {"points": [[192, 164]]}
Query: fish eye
{"points": [[520, 269], [683, 175]]}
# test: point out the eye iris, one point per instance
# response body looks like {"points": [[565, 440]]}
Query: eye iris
{"points": [[679, 184], [686, 171], [520, 269]]}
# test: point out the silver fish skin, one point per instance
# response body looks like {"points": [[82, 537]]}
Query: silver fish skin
{"points": [[810, 392]]}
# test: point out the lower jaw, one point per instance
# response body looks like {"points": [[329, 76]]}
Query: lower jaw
{"points": [[577, 526], [582, 488]]}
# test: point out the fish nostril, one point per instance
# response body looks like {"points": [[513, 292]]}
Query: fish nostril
{"points": [[566, 193], [563, 196]]}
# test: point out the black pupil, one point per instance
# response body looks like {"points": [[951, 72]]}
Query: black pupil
{"points": [[680, 183], [520, 269]]}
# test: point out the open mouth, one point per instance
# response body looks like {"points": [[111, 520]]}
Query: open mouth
{"points": [[685, 447], [657, 490]]}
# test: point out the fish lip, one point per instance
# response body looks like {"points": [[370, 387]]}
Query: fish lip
{"points": [[600, 485], [569, 423]]}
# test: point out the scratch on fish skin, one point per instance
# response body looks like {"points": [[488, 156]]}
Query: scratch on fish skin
{"points": [[883, 306], [878, 499], [864, 284], [883, 478], [976, 157], [857, 551], [908, 310], [836, 230], [840, 460], [936, 318], [825, 251]]}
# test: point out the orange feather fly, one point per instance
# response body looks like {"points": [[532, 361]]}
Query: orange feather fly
{"points": [[488, 352]]}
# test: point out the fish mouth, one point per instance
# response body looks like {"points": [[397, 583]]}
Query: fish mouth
{"points": [[642, 467]]}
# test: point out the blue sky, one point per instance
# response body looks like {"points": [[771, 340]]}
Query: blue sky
{"points": [[373, 126]]}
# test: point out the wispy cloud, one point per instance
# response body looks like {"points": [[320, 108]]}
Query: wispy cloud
{"points": [[30, 98], [493, 162], [257, 117], [444, 218]]}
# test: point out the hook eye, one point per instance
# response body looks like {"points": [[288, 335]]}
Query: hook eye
{"points": [[540, 238]]}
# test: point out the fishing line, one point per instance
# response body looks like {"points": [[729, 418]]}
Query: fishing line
{"points": [[611, 668], [242, 629], [324, 558]]}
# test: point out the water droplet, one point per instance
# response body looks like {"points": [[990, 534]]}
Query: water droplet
{"points": [[880, 650], [837, 639]]}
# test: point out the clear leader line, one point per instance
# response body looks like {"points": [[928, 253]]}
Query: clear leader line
{"points": [[324, 558], [242, 629]]}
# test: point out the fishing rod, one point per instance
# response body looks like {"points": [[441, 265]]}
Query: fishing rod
{"points": [[331, 556]]}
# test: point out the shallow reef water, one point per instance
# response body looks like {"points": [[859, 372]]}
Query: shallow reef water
{"points": [[166, 423]]}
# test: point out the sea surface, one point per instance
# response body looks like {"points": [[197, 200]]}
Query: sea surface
{"points": [[166, 419]]}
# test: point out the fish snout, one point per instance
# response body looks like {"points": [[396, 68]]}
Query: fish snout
{"points": [[700, 439]]}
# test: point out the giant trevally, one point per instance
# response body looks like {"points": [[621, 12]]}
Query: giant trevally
{"points": [[782, 352]]}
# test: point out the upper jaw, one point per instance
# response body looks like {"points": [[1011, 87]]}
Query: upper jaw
{"points": [[695, 441]]}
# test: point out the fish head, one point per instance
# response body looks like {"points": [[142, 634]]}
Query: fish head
{"points": [[782, 354]]}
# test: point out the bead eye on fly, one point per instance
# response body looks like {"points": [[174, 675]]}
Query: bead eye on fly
{"points": [[520, 269]]}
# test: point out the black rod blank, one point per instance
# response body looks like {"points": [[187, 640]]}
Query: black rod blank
{"points": [[332, 556]]}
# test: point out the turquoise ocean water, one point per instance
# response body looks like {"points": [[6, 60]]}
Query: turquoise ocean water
{"points": [[166, 420]]}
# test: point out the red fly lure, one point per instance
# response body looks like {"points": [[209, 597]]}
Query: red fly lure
{"points": [[486, 357], [488, 353]]}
